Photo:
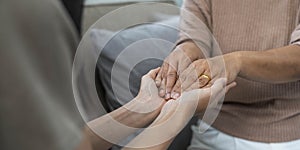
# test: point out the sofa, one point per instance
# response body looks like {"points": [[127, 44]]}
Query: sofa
{"points": [[157, 29]]}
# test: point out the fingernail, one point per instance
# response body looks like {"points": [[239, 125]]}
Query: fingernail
{"points": [[174, 95], [162, 92], [168, 96]]}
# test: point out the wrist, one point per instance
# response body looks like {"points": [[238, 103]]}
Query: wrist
{"points": [[144, 109], [237, 60], [133, 116]]}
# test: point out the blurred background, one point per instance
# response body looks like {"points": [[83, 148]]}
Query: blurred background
{"points": [[95, 9]]}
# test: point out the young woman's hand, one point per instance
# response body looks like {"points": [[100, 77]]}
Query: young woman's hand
{"points": [[175, 114], [122, 122], [148, 100]]}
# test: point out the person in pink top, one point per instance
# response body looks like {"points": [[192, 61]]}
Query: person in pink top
{"points": [[259, 44]]}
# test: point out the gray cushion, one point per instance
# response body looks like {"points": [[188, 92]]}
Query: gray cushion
{"points": [[129, 54], [134, 40]]}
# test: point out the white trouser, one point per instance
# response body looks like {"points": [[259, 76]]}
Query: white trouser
{"points": [[213, 139]]}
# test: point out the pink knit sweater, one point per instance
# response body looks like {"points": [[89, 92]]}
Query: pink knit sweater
{"points": [[252, 110]]}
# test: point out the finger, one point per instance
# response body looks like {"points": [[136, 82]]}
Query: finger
{"points": [[198, 85], [162, 88], [153, 73], [204, 79], [230, 86], [165, 70], [170, 80], [160, 74], [177, 88], [191, 78], [162, 85], [218, 85], [209, 84], [158, 78], [193, 86], [218, 91], [183, 64]]}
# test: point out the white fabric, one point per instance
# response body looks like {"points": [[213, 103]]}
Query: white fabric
{"points": [[295, 37], [213, 139]]}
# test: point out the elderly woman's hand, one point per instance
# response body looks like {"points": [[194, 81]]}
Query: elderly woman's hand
{"points": [[174, 65], [204, 72]]}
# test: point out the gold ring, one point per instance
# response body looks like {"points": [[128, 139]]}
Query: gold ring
{"points": [[205, 76]]}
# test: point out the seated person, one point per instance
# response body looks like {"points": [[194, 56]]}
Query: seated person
{"points": [[259, 41]]}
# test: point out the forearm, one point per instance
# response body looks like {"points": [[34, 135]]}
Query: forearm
{"points": [[153, 137], [111, 128], [272, 66], [174, 115], [160, 134]]}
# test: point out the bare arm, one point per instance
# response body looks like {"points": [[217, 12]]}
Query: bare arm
{"points": [[278, 65], [271, 66], [111, 128], [132, 121], [175, 114]]}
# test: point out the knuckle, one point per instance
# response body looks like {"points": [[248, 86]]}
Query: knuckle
{"points": [[172, 75], [193, 65], [170, 81], [196, 65]]}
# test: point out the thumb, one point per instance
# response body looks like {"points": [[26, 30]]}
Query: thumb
{"points": [[219, 84]]}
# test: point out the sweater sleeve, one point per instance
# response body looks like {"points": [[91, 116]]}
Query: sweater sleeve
{"points": [[195, 24]]}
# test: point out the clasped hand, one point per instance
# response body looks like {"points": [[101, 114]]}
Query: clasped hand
{"points": [[151, 101], [183, 70]]}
